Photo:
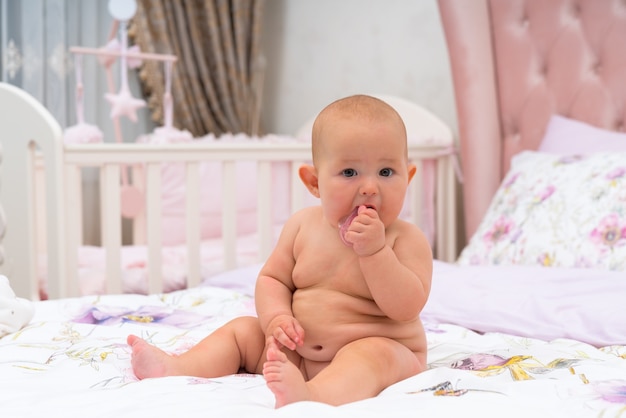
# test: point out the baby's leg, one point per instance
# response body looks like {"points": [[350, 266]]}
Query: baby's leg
{"points": [[237, 345], [360, 370]]}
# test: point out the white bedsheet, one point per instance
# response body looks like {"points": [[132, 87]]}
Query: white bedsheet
{"points": [[72, 360], [543, 302]]}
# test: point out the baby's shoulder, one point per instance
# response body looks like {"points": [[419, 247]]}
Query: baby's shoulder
{"points": [[406, 232], [306, 214], [302, 217]]}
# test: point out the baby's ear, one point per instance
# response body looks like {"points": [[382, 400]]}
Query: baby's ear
{"points": [[308, 175], [412, 169]]}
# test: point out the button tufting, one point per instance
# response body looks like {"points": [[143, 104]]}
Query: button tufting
{"points": [[597, 67]]}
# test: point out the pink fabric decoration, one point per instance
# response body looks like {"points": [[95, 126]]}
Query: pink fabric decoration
{"points": [[81, 133], [168, 133], [114, 46], [132, 201]]}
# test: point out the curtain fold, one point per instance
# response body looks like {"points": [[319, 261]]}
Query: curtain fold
{"points": [[216, 82]]}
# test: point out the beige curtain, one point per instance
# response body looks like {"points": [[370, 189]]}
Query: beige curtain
{"points": [[216, 82]]}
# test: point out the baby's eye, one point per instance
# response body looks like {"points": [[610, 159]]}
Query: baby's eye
{"points": [[349, 172], [386, 172]]}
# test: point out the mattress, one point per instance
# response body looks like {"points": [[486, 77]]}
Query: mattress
{"points": [[72, 358]]}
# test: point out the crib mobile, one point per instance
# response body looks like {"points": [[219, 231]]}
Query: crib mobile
{"points": [[122, 102]]}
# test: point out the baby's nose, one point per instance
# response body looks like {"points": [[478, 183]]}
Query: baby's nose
{"points": [[369, 187]]}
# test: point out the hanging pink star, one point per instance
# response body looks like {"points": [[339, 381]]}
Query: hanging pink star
{"points": [[123, 104]]}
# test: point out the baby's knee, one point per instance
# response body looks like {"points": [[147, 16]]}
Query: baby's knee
{"points": [[248, 326], [372, 348], [250, 341], [384, 353], [245, 322]]}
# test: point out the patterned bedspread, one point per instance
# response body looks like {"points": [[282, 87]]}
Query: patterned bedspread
{"points": [[72, 360]]}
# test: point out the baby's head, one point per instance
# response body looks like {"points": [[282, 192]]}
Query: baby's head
{"points": [[355, 110], [359, 158]]}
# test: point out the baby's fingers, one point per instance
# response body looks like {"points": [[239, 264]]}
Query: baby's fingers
{"points": [[289, 335], [298, 334], [282, 338]]}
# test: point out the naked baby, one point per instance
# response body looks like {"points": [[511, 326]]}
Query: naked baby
{"points": [[338, 299]]}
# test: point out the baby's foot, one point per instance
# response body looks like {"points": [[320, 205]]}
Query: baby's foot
{"points": [[283, 378], [148, 360]]}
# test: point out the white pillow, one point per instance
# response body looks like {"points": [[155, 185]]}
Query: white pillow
{"points": [[569, 136], [553, 210]]}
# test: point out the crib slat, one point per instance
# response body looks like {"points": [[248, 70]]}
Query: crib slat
{"points": [[415, 195], [229, 214], [264, 209], [441, 199], [297, 198], [139, 222], [74, 229], [110, 213], [154, 234], [446, 206], [192, 224], [39, 232]]}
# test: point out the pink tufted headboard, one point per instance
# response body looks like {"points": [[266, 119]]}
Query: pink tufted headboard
{"points": [[514, 64]]}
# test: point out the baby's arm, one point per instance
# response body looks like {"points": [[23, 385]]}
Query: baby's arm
{"points": [[275, 313], [274, 291], [399, 278]]}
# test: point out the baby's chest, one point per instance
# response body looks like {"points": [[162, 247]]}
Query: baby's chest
{"points": [[330, 270]]}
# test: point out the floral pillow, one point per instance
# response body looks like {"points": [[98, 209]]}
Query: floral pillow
{"points": [[554, 210]]}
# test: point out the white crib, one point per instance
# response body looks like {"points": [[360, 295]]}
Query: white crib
{"points": [[47, 215]]}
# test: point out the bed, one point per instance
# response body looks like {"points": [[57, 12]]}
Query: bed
{"points": [[527, 321]]}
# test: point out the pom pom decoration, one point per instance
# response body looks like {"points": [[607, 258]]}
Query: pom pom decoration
{"points": [[82, 133]]}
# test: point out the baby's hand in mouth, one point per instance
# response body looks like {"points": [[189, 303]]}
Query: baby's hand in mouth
{"points": [[344, 224]]}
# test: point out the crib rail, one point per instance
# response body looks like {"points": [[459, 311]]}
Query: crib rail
{"points": [[109, 158]]}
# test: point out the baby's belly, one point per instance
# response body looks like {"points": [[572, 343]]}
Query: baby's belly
{"points": [[333, 319]]}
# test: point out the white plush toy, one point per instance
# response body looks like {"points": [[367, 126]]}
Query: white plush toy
{"points": [[14, 312]]}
